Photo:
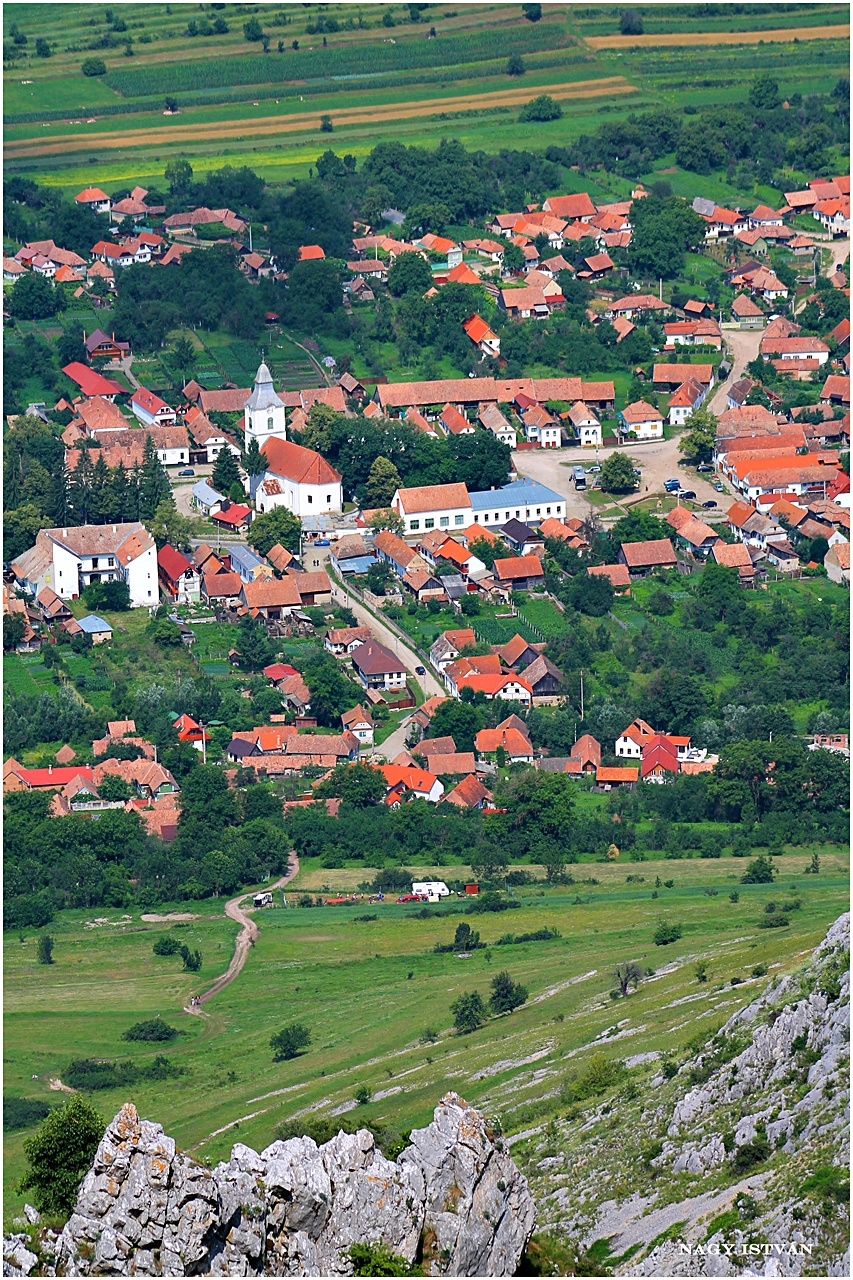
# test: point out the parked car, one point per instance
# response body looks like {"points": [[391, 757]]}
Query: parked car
{"points": [[676, 484], [322, 542], [413, 897], [704, 466], [421, 671], [716, 485], [709, 504], [187, 471], [593, 471], [637, 471], [687, 493]]}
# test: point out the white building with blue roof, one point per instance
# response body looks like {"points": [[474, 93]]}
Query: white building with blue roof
{"points": [[96, 627], [206, 499], [522, 499]]}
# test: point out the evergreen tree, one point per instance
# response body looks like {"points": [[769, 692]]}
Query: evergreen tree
{"points": [[225, 471], [154, 485], [253, 644], [134, 493], [100, 506], [60, 497], [82, 487], [254, 464], [120, 493]]}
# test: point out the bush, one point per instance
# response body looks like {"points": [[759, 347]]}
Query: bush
{"points": [[630, 23], [23, 1113], [167, 946], [760, 871], [99, 1073], [773, 922], [288, 1042], [541, 109], [752, 1153], [154, 1029], [362, 1095], [45, 951], [666, 933], [506, 994], [469, 1012], [377, 1260], [94, 67], [599, 1074], [191, 959], [60, 1154]]}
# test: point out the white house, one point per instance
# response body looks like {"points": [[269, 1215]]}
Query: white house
{"points": [[297, 478], [684, 400], [434, 506], [95, 199], [205, 498], [68, 560], [586, 426], [172, 445], [523, 499], [264, 411], [359, 722], [630, 743], [377, 667], [151, 410], [641, 421]]}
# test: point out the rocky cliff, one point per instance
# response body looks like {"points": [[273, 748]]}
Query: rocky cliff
{"points": [[731, 1162], [454, 1198]]}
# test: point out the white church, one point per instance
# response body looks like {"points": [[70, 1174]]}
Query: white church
{"points": [[296, 478]]}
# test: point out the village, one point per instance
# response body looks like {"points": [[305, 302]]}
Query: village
{"points": [[228, 457]]}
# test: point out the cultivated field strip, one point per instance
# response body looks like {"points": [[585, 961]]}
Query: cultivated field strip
{"points": [[609, 86], [779, 35]]}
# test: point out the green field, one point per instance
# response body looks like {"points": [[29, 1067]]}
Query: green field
{"points": [[72, 130], [368, 989]]}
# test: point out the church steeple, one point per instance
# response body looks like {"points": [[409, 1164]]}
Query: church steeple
{"points": [[264, 411]]}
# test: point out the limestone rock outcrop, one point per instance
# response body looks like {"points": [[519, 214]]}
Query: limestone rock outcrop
{"points": [[454, 1197]]}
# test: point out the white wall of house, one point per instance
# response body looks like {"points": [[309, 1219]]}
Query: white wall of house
{"points": [[174, 457]]}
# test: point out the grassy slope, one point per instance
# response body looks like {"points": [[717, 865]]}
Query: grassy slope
{"points": [[350, 983]]}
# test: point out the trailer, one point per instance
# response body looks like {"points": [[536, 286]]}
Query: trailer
{"points": [[431, 890], [262, 900]]}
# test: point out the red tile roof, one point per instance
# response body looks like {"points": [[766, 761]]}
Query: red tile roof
{"points": [[284, 458], [90, 382], [511, 567], [644, 555]]}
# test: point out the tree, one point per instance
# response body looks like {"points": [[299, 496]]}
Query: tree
{"points": [[554, 862], [590, 595], [700, 971], [506, 994], [287, 1042], [469, 1012], [171, 105], [179, 175], [541, 109], [360, 785], [94, 67], [630, 23], [14, 625], [666, 933], [276, 526], [42, 48], [225, 471], [113, 596], [165, 632], [764, 94], [253, 644], [253, 31], [60, 1154], [387, 518], [698, 443], [168, 525], [331, 692], [408, 273], [185, 355], [760, 871], [254, 463], [627, 975], [383, 481], [113, 785], [663, 231], [515, 65], [326, 125], [466, 938], [617, 474], [379, 577], [33, 298], [532, 12], [45, 948], [513, 258]]}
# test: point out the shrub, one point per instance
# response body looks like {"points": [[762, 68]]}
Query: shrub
{"points": [[469, 1012], [154, 1029], [22, 1113], [828, 1182], [666, 933], [773, 922], [377, 1259], [94, 67], [192, 959], [289, 1041], [362, 1095], [760, 871], [542, 108], [60, 1154], [45, 952], [92, 1074], [167, 946], [506, 994], [752, 1153], [599, 1075]]}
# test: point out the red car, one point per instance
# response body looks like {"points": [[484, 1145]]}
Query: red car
{"points": [[412, 897]]}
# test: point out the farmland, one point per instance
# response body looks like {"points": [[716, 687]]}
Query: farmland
{"points": [[237, 102], [368, 989]]}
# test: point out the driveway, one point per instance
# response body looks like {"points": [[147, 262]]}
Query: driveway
{"points": [[744, 345]]}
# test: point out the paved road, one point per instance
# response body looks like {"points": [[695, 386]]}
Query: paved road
{"points": [[245, 938]]}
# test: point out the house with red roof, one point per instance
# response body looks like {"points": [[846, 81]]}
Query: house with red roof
{"points": [[519, 573], [234, 516], [92, 383], [470, 794], [154, 412], [482, 336], [95, 199], [299, 479], [189, 730], [506, 688], [406, 783], [659, 761], [180, 580]]}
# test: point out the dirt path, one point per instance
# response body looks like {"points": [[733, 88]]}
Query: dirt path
{"points": [[744, 345], [683, 38], [237, 130], [245, 938]]}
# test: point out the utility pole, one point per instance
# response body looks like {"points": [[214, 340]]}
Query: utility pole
{"points": [[582, 715]]}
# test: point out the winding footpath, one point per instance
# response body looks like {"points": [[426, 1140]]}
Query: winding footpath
{"points": [[245, 938]]}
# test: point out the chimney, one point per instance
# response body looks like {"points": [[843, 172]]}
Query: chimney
{"points": [[50, 769]]}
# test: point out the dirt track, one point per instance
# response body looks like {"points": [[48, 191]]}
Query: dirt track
{"points": [[778, 35], [236, 130], [246, 936]]}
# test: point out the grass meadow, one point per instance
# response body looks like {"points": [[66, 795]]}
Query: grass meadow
{"points": [[368, 989]]}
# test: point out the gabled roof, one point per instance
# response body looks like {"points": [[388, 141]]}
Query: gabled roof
{"points": [[469, 793], [173, 563], [644, 555], [512, 567], [433, 497], [293, 462], [90, 382], [641, 411], [373, 658], [617, 574]]}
